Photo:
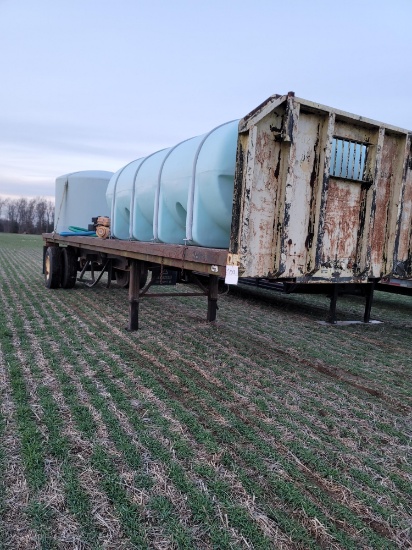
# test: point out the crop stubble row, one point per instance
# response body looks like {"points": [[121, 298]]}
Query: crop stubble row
{"points": [[202, 392]]}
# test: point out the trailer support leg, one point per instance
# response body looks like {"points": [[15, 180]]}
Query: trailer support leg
{"points": [[134, 289], [212, 298], [333, 301], [369, 299], [109, 274]]}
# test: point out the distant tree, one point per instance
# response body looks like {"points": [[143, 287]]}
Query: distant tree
{"points": [[31, 209], [50, 216], [2, 203], [24, 215], [21, 214], [2, 221], [11, 209], [41, 210]]}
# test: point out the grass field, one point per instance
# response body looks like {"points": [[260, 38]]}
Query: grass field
{"points": [[264, 430]]}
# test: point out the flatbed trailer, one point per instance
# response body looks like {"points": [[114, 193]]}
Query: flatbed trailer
{"points": [[321, 203], [128, 262], [64, 257]]}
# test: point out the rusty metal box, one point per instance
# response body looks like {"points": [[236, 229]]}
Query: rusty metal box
{"points": [[321, 195]]}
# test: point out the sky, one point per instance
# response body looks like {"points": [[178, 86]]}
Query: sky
{"points": [[95, 84]]}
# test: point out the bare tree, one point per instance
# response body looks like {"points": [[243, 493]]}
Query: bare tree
{"points": [[41, 210], [2, 220], [2, 203], [31, 206], [11, 209], [24, 215], [50, 216], [21, 211]]}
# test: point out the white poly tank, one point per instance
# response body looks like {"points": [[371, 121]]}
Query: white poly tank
{"points": [[144, 196], [205, 188], [80, 196], [119, 199], [181, 195]]}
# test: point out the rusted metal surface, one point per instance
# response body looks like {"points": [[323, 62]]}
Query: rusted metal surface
{"points": [[341, 222], [388, 185], [320, 195], [403, 244], [205, 260]]}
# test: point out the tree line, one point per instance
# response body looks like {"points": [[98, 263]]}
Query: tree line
{"points": [[26, 215]]}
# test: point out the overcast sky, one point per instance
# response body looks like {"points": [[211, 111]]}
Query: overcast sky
{"points": [[94, 84]]}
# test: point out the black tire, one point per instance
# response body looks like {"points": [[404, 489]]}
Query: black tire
{"points": [[52, 267], [143, 276], [69, 267], [122, 278]]}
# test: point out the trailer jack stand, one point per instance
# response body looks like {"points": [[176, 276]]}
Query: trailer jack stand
{"points": [[366, 288], [212, 298], [135, 295], [136, 268]]}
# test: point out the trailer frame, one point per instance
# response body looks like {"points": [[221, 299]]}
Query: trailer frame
{"points": [[142, 255], [135, 257]]}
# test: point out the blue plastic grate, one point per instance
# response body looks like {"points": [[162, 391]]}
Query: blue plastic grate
{"points": [[348, 159]]}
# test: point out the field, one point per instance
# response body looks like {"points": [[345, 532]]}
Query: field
{"points": [[264, 430]]}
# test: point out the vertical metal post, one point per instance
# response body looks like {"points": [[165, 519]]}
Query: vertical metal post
{"points": [[134, 289], [333, 301], [370, 287], [212, 297], [109, 273]]}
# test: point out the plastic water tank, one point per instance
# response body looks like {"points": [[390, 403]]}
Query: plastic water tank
{"points": [[119, 198], [145, 191], [178, 195], [175, 179], [209, 188], [80, 196]]}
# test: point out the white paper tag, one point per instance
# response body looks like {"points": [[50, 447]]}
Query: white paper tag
{"points": [[232, 274]]}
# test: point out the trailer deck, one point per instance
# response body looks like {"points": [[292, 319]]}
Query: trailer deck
{"points": [[135, 258]]}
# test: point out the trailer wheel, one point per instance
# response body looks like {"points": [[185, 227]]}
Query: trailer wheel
{"points": [[68, 267], [52, 267], [122, 278], [144, 275]]}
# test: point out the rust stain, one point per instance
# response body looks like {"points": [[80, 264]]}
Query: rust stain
{"points": [[342, 221], [404, 244], [380, 228], [263, 151]]}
